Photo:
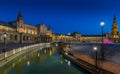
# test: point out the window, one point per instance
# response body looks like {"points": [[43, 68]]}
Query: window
{"points": [[16, 37]]}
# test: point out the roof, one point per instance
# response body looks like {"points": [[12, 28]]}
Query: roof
{"points": [[91, 35], [7, 24], [40, 24]]}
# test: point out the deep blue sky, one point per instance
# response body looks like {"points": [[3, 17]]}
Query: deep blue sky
{"points": [[64, 16]]}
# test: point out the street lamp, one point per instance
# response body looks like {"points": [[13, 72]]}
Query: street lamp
{"points": [[69, 40], [4, 50], [68, 33], [102, 23], [95, 49]]}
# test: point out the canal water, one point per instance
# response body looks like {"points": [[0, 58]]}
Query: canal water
{"points": [[41, 61]]}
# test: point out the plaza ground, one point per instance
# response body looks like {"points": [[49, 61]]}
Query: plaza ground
{"points": [[85, 52]]}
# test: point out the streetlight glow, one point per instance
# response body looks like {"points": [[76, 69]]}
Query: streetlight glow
{"points": [[4, 49], [68, 33], [102, 23], [95, 48], [96, 57], [4, 35]]}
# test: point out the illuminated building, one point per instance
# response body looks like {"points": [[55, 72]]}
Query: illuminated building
{"points": [[114, 36], [20, 32]]}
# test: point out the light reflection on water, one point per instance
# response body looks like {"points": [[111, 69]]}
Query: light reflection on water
{"points": [[45, 61], [28, 63]]}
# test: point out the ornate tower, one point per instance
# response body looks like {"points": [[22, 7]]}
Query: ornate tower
{"points": [[19, 19], [50, 29], [115, 31]]}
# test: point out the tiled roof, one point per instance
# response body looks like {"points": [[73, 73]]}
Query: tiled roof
{"points": [[92, 35], [40, 24]]}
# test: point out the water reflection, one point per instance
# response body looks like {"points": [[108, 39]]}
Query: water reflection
{"points": [[61, 59], [13, 65], [45, 51], [68, 63], [38, 54], [64, 60], [28, 63], [41, 61], [50, 52]]}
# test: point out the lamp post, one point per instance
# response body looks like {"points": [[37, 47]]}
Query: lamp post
{"points": [[68, 33], [69, 39], [4, 50], [95, 49], [102, 23]]}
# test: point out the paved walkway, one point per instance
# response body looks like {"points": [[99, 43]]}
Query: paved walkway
{"points": [[115, 68]]}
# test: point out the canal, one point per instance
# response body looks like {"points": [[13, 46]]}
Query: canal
{"points": [[41, 61]]}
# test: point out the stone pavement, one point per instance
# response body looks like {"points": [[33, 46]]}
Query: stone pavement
{"points": [[109, 66]]}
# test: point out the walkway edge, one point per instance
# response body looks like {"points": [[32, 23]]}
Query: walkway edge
{"points": [[85, 65], [28, 49]]}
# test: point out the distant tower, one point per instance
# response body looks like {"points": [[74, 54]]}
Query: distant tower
{"points": [[19, 22], [115, 31], [19, 19], [49, 29]]}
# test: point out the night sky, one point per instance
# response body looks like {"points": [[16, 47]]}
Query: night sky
{"points": [[64, 16]]}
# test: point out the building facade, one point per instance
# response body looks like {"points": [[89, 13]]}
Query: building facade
{"points": [[20, 32], [114, 36], [63, 38]]}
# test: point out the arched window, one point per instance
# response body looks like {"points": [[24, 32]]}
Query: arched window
{"points": [[27, 38], [16, 37], [11, 37], [24, 38]]}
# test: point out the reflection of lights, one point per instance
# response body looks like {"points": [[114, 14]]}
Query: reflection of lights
{"points": [[61, 61], [68, 63], [38, 54], [28, 63], [45, 51], [13, 65], [66, 60]]}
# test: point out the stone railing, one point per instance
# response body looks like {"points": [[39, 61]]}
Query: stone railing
{"points": [[20, 50]]}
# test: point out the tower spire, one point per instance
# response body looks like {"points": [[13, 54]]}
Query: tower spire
{"points": [[114, 27], [19, 20], [114, 19], [49, 27], [19, 17]]}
